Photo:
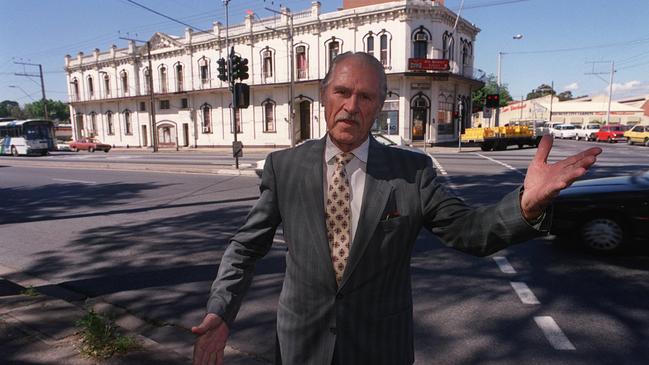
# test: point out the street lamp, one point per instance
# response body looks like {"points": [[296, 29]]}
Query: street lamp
{"points": [[498, 82]]}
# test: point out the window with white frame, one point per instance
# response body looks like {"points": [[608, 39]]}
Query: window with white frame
{"points": [[75, 89], [109, 123], [301, 62], [207, 118], [420, 43], [333, 50], [123, 75], [444, 114], [467, 54], [448, 45], [267, 62], [269, 115], [106, 85], [369, 45], [384, 44], [93, 123], [127, 122], [163, 79], [179, 77], [204, 69], [147, 79], [91, 87]]}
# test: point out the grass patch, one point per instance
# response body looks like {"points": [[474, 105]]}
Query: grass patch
{"points": [[100, 338], [30, 292]]}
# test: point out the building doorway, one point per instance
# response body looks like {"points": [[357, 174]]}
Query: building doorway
{"points": [[144, 136], [305, 120], [419, 111], [167, 136], [185, 135]]}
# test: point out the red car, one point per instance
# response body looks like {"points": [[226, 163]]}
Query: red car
{"points": [[610, 133], [90, 144]]}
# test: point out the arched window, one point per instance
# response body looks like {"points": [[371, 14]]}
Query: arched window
{"points": [[109, 123], [444, 114], [301, 62], [91, 87], [269, 115], [163, 79], [369, 45], [75, 89], [334, 48], [179, 77], [448, 45], [146, 82], [106, 85], [207, 118], [127, 122], [93, 124], [420, 40], [267, 62], [123, 75], [384, 43], [204, 69]]}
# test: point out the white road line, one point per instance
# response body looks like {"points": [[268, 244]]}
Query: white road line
{"points": [[504, 265], [500, 163], [524, 293], [76, 181], [438, 166], [553, 333]]}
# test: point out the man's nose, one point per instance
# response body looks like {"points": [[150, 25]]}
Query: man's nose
{"points": [[352, 105]]}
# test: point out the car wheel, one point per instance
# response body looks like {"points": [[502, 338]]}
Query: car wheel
{"points": [[90, 149], [14, 151], [609, 140], [646, 142], [106, 150], [603, 235], [74, 149], [628, 141], [576, 138]]}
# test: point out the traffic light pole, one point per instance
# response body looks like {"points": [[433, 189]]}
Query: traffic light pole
{"points": [[230, 53]]}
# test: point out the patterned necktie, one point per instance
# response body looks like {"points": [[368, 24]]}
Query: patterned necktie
{"points": [[338, 215]]}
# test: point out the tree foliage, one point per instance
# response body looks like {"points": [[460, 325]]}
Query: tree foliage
{"points": [[57, 110], [490, 87], [7, 106], [541, 91], [565, 95]]}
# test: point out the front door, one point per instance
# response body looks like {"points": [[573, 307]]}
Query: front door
{"points": [[144, 136], [305, 118]]}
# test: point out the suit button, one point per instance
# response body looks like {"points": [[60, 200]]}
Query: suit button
{"points": [[332, 330], [339, 296]]}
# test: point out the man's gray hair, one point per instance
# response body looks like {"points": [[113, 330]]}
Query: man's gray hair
{"points": [[370, 60]]}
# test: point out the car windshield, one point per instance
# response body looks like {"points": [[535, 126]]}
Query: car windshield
{"points": [[569, 127], [37, 131], [592, 126]]}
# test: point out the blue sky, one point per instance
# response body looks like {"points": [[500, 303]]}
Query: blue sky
{"points": [[560, 38]]}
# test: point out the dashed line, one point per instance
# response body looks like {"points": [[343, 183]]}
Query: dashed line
{"points": [[504, 265], [500, 163], [524, 293], [438, 166], [76, 181], [553, 333]]}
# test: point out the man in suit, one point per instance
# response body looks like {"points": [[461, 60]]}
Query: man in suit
{"points": [[351, 210]]}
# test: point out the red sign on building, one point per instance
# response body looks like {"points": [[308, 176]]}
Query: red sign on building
{"points": [[427, 64]]}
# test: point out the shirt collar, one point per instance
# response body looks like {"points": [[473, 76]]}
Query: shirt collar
{"points": [[360, 152]]}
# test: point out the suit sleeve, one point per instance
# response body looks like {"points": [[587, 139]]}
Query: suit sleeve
{"points": [[477, 231], [251, 242]]}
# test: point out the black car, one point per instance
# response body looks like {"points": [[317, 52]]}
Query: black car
{"points": [[604, 214]]}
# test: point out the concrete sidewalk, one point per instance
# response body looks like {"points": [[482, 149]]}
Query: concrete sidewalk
{"points": [[41, 328]]}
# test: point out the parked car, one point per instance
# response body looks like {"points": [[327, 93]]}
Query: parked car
{"points": [[587, 131], [638, 134], [564, 131], [550, 127], [89, 143], [63, 146], [604, 214], [610, 133]]}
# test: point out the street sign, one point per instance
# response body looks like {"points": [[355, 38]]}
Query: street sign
{"points": [[486, 113], [237, 149]]}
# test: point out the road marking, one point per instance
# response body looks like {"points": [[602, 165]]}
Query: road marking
{"points": [[500, 163], [553, 333], [76, 181], [524, 293], [438, 166], [504, 265]]}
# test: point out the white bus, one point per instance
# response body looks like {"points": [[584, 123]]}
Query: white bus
{"points": [[26, 137]]}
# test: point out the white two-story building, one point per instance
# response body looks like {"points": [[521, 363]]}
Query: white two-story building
{"points": [[429, 65]]}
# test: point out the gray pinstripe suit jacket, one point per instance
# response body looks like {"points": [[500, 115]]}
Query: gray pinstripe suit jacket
{"points": [[369, 317]]}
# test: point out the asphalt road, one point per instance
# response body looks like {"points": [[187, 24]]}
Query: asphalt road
{"points": [[151, 243]]}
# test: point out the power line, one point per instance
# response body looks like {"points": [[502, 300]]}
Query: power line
{"points": [[558, 50]]}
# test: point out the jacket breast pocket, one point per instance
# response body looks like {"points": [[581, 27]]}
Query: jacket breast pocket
{"points": [[392, 224]]}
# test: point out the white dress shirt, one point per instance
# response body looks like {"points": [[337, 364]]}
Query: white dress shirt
{"points": [[355, 170]]}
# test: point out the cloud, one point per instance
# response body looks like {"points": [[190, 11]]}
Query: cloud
{"points": [[628, 86], [571, 87]]}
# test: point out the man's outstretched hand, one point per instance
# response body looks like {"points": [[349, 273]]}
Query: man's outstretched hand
{"points": [[212, 335], [544, 181]]}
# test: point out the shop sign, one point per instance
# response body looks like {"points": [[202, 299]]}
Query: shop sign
{"points": [[427, 64]]}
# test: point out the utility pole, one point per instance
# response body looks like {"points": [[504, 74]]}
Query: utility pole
{"points": [[610, 85], [152, 122], [40, 71], [551, 100], [289, 35], [497, 118]]}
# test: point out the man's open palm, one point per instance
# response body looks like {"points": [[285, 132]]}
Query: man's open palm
{"points": [[213, 333]]}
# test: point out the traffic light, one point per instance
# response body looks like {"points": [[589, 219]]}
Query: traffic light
{"points": [[493, 101], [243, 69], [241, 95], [239, 68], [222, 69]]}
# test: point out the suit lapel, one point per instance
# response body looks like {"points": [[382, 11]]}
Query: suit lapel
{"points": [[312, 193], [375, 197]]}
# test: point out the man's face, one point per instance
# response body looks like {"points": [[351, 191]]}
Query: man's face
{"points": [[351, 101]]}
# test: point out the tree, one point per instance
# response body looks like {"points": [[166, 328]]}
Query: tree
{"points": [[541, 91], [56, 109], [565, 95], [490, 87], [6, 106]]}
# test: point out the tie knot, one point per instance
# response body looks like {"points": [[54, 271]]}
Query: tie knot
{"points": [[344, 157]]}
